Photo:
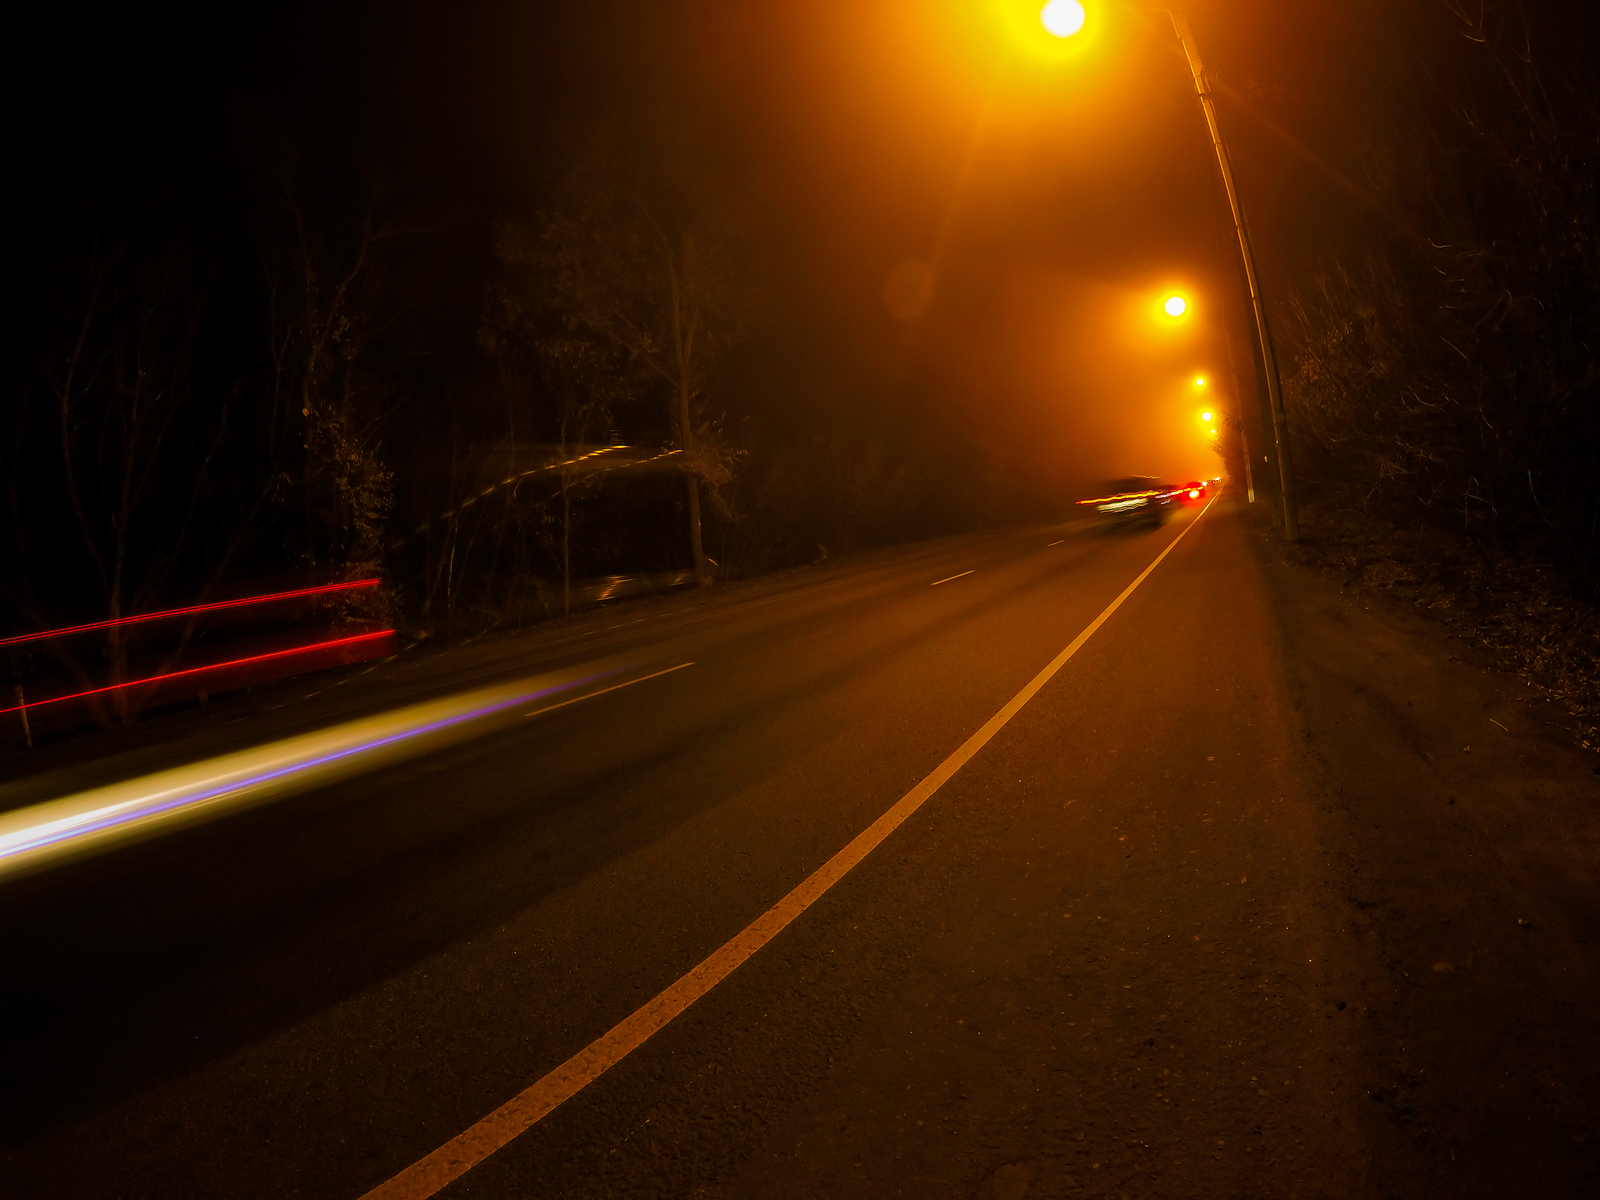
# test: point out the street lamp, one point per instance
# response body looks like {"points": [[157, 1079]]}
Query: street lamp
{"points": [[1174, 306], [1063, 18], [1052, 16]]}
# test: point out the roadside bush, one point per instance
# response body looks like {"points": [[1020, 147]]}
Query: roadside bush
{"points": [[1442, 372]]}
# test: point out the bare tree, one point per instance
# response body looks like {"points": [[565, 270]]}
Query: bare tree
{"points": [[328, 306], [539, 343], [1444, 366], [641, 278], [135, 446]]}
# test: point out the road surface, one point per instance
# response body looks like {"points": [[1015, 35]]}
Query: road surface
{"points": [[1140, 942]]}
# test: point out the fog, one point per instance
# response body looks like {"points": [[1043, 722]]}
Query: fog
{"points": [[1052, 200], [938, 242]]}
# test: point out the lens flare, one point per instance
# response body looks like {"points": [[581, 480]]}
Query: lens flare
{"points": [[909, 290], [1062, 18]]}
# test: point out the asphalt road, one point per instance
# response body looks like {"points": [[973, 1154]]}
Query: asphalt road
{"points": [[1100, 960]]}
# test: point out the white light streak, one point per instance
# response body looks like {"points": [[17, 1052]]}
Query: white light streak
{"points": [[95, 820]]}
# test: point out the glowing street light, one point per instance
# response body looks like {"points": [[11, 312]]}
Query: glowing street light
{"points": [[1206, 416], [1062, 18], [1200, 381]]}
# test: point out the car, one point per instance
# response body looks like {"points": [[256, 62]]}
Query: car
{"points": [[1192, 492], [1133, 501]]}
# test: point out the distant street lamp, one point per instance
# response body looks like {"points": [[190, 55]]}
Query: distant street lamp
{"points": [[1174, 306], [1054, 17], [1244, 443]]}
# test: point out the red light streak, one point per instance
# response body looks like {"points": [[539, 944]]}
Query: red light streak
{"points": [[183, 612], [238, 662]]}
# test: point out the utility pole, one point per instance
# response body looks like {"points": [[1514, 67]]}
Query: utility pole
{"points": [[1244, 431], [1269, 362], [1249, 475]]}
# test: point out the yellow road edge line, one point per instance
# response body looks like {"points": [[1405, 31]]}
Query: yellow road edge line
{"points": [[460, 1154], [602, 691]]}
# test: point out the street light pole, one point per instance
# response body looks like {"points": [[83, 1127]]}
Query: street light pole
{"points": [[1244, 434], [1249, 477], [1269, 362]]}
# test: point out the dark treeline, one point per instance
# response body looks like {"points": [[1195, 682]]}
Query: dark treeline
{"points": [[1442, 370], [270, 347]]}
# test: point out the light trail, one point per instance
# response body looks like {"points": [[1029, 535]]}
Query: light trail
{"points": [[1121, 496], [511, 479], [963, 575], [33, 705], [214, 606], [103, 817]]}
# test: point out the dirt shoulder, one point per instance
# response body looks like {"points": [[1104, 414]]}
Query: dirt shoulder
{"points": [[1461, 829], [1517, 616]]}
